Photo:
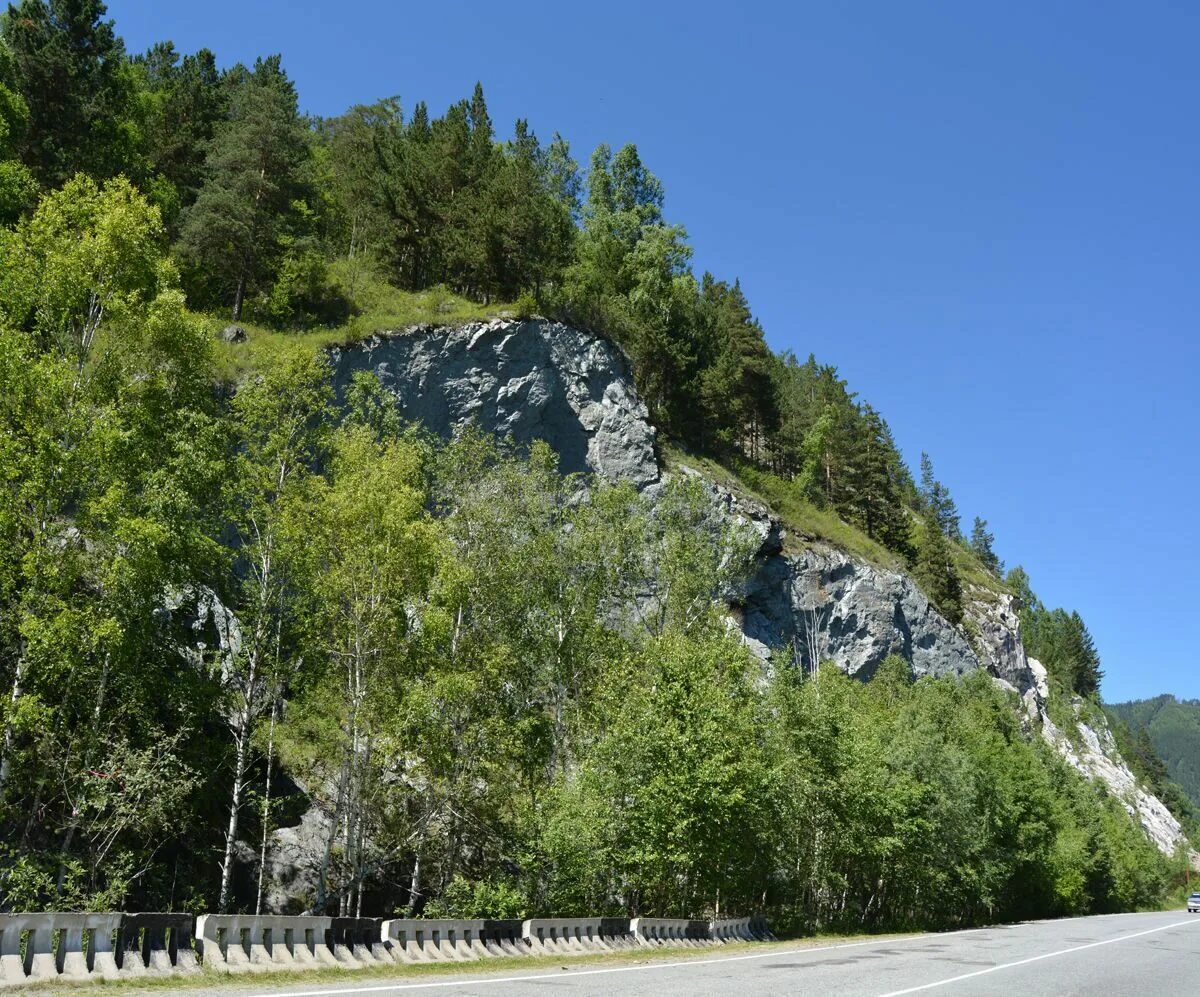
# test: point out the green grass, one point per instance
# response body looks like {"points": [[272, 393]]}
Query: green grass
{"points": [[805, 524], [974, 575], [379, 307]]}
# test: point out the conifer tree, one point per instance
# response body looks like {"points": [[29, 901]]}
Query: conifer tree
{"points": [[874, 497], [1085, 659], [981, 543], [68, 66], [937, 503], [736, 392], [937, 575], [565, 182], [233, 232], [185, 99]]}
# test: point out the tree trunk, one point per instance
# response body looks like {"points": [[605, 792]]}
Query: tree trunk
{"points": [[7, 747], [266, 817], [414, 886], [239, 296], [239, 775], [323, 877]]}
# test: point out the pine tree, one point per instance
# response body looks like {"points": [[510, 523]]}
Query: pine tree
{"points": [[981, 543], [937, 503], [482, 135], [874, 486], [737, 399], [1085, 659], [937, 575], [189, 101], [67, 63], [233, 230], [563, 176]]}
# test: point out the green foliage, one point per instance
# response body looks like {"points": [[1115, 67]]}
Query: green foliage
{"points": [[935, 571], [479, 899], [981, 545], [1060, 640], [305, 294], [1159, 732], [68, 64], [234, 234], [937, 503], [180, 100]]}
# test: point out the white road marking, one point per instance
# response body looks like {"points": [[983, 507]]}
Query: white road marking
{"points": [[1034, 958], [490, 981], [931, 936]]}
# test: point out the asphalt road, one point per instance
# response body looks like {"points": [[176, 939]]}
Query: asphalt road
{"points": [[1106, 956]]}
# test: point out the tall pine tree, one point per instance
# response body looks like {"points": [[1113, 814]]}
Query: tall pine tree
{"points": [[981, 544], [937, 575], [68, 64], [233, 234]]}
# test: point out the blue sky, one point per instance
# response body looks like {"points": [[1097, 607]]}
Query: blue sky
{"points": [[987, 215]]}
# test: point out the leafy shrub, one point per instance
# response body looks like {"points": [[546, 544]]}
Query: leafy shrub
{"points": [[305, 294]]}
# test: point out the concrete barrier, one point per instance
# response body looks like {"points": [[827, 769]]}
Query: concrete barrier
{"points": [[549, 935], [358, 941], [157, 943], [731, 929], [420, 939], [741, 929], [57, 947], [654, 931], [503, 937], [243, 943], [80, 947]]}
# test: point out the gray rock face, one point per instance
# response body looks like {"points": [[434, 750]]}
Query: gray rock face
{"points": [[233, 334], [824, 606], [996, 623], [529, 380]]}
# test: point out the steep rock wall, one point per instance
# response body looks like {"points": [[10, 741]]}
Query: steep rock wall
{"points": [[528, 380]]}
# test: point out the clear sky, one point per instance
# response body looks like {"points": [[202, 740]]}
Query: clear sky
{"points": [[986, 215]]}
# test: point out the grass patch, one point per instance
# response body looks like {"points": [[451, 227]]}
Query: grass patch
{"points": [[378, 307], [976, 579], [805, 523]]}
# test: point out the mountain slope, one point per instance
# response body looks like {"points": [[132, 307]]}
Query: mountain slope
{"points": [[1173, 726], [809, 600]]}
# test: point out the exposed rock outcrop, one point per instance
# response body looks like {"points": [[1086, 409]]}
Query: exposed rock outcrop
{"points": [[535, 379], [822, 605], [1093, 752], [528, 380]]}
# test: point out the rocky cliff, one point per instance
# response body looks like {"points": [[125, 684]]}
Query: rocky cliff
{"points": [[528, 380], [537, 379]]}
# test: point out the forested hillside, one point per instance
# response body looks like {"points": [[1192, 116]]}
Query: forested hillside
{"points": [[228, 596], [1165, 732]]}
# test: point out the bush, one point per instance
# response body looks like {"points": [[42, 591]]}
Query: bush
{"points": [[305, 294], [480, 899], [526, 305]]}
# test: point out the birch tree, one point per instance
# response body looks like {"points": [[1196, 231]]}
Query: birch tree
{"points": [[282, 420]]}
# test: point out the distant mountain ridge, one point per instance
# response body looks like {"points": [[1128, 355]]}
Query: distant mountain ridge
{"points": [[1173, 726]]}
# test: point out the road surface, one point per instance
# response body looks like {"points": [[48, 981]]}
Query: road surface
{"points": [[1107, 956]]}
